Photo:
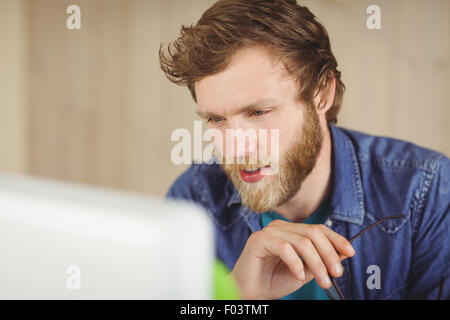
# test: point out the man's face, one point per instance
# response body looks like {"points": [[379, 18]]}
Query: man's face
{"points": [[255, 92]]}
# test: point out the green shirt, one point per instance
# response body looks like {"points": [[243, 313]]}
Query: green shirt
{"points": [[311, 290]]}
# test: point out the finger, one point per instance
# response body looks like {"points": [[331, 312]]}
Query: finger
{"points": [[305, 248], [269, 245], [326, 250], [341, 244], [322, 243]]}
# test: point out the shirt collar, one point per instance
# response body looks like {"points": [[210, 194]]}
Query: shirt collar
{"points": [[347, 202], [235, 198]]}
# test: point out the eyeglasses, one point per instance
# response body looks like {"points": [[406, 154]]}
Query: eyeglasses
{"points": [[334, 292]]}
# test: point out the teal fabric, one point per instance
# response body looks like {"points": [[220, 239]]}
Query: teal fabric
{"points": [[311, 290]]}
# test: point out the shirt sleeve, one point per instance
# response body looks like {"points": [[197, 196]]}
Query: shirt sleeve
{"points": [[429, 276]]}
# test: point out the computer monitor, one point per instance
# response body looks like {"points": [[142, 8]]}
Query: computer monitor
{"points": [[72, 241]]}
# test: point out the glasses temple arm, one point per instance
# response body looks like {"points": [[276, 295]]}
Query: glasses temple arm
{"points": [[333, 280], [398, 216]]}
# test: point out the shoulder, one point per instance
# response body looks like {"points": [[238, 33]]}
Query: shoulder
{"points": [[394, 153], [399, 176], [205, 183], [208, 186]]}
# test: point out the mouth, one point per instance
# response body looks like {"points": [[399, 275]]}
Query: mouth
{"points": [[252, 175]]}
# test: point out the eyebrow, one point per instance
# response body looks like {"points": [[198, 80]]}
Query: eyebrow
{"points": [[250, 107]]}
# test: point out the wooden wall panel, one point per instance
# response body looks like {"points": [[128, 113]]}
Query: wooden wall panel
{"points": [[13, 140]]}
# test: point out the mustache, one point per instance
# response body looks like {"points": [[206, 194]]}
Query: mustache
{"points": [[268, 166], [247, 161]]}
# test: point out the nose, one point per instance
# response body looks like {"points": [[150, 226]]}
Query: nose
{"points": [[241, 141]]}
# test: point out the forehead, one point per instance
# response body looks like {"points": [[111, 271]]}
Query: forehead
{"points": [[253, 74]]}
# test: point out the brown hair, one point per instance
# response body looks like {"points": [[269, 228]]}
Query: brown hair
{"points": [[289, 29]]}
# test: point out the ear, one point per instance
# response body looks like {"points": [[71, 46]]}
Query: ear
{"points": [[324, 99]]}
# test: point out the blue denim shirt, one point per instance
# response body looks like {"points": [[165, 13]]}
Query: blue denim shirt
{"points": [[373, 177]]}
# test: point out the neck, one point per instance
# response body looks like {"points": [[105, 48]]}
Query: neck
{"points": [[314, 188]]}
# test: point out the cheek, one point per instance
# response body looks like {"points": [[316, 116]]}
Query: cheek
{"points": [[288, 132], [269, 142]]}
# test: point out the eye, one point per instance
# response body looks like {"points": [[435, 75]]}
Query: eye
{"points": [[258, 113], [214, 120]]}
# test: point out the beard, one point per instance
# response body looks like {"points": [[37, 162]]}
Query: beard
{"points": [[294, 166]]}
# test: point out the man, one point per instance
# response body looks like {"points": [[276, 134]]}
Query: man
{"points": [[268, 65]]}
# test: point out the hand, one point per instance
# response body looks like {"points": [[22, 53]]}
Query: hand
{"points": [[270, 266]]}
